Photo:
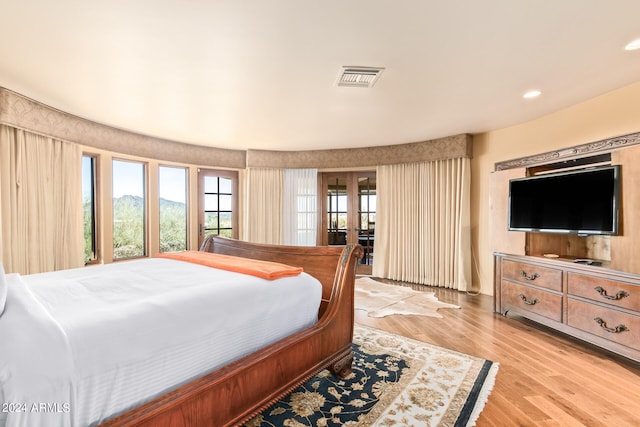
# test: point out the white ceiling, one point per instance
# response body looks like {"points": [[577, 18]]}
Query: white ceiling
{"points": [[262, 73]]}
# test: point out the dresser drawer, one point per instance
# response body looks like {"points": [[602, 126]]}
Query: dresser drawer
{"points": [[619, 294], [544, 277], [613, 325], [525, 299]]}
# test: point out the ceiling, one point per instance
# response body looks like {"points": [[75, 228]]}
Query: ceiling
{"points": [[262, 74]]}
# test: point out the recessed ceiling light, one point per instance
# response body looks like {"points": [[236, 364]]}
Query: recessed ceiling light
{"points": [[532, 94], [634, 45]]}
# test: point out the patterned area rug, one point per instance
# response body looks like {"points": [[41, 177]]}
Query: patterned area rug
{"points": [[396, 381], [380, 300]]}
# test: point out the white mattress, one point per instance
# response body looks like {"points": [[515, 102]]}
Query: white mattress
{"points": [[93, 342]]}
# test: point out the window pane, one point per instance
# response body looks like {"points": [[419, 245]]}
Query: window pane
{"points": [[342, 203], [364, 203], [210, 202], [210, 184], [225, 203], [128, 209], [225, 185], [89, 207], [364, 221], [211, 220], [342, 221], [173, 208], [225, 220], [333, 221], [372, 203]]}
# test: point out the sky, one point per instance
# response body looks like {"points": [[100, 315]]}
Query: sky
{"points": [[128, 179], [173, 183]]}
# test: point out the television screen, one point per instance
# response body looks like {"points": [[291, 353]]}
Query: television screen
{"points": [[583, 201]]}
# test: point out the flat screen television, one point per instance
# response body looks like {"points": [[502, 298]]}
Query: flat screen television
{"points": [[582, 201]]}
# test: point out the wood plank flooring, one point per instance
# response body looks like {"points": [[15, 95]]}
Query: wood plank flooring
{"points": [[546, 378]]}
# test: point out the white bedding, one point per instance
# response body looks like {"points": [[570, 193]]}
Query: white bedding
{"points": [[79, 346]]}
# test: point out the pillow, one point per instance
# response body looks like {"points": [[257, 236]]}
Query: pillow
{"points": [[3, 289]]}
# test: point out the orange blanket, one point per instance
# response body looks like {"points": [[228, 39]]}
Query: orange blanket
{"points": [[264, 269]]}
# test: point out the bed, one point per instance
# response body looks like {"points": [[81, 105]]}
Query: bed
{"points": [[174, 330]]}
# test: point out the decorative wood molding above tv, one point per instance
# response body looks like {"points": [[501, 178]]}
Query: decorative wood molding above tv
{"points": [[590, 148]]}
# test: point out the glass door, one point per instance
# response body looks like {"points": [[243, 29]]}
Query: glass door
{"points": [[349, 212], [367, 201], [218, 203], [337, 217]]}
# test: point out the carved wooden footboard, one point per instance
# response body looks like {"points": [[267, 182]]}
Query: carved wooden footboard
{"points": [[242, 389]]}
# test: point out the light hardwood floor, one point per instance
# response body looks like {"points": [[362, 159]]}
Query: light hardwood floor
{"points": [[545, 378]]}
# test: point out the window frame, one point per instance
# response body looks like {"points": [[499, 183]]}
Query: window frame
{"points": [[95, 207]]}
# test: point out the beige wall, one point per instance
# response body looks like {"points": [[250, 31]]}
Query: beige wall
{"points": [[613, 114]]}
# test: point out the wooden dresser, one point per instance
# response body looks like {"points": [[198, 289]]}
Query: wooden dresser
{"points": [[593, 303]]}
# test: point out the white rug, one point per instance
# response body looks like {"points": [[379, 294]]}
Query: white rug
{"points": [[380, 300]]}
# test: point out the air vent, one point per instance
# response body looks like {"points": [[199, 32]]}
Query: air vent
{"points": [[359, 76]]}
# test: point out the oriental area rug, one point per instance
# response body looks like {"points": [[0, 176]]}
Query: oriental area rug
{"points": [[396, 381], [380, 300]]}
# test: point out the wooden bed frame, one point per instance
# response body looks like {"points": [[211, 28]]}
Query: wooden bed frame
{"points": [[241, 390]]}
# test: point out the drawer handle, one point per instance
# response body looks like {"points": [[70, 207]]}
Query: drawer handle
{"points": [[616, 330], [524, 299], [603, 293], [533, 276]]}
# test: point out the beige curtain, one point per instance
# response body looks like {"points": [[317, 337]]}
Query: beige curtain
{"points": [[40, 203], [423, 223], [263, 205]]}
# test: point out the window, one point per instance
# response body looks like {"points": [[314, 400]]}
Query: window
{"points": [[89, 208], [300, 216], [129, 209], [173, 208]]}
